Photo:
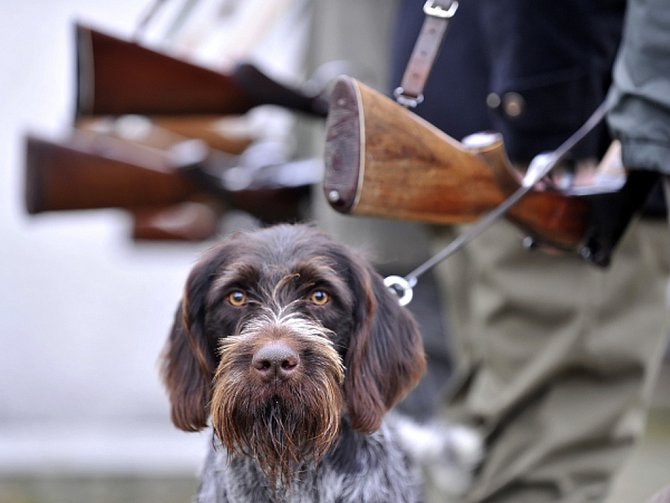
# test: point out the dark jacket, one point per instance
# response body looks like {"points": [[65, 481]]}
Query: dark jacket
{"points": [[532, 69]]}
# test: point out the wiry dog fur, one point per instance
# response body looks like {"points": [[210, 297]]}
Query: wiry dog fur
{"points": [[293, 346]]}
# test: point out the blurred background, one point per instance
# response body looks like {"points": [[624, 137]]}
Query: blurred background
{"points": [[85, 309]]}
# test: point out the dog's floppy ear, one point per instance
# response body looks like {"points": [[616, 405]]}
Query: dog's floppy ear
{"points": [[385, 358], [188, 360]]}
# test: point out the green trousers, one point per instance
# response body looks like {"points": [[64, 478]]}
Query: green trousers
{"points": [[557, 359]]}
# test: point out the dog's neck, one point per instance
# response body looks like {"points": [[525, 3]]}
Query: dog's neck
{"points": [[341, 457], [240, 479]]}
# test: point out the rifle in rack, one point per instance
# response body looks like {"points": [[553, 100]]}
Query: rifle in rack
{"points": [[383, 160], [117, 77], [92, 170]]}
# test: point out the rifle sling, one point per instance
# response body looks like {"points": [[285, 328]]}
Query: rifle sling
{"points": [[438, 13]]}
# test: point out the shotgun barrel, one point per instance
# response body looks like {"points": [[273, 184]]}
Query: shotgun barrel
{"points": [[117, 77]]}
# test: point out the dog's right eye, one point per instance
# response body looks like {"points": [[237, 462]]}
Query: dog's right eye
{"points": [[237, 298], [319, 298]]}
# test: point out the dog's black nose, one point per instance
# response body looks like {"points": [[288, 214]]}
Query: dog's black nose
{"points": [[275, 360]]}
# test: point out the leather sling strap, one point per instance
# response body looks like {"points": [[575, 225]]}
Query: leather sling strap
{"points": [[438, 13]]}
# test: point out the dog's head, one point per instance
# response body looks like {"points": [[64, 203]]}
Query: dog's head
{"points": [[284, 328]]}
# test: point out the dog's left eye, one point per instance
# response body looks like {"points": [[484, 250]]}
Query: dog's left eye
{"points": [[237, 298], [319, 297]]}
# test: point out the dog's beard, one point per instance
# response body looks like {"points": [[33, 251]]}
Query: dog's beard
{"points": [[285, 425]]}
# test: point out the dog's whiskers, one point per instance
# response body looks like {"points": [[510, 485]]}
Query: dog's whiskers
{"points": [[297, 425]]}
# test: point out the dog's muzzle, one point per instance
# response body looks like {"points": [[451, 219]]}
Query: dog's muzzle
{"points": [[278, 392]]}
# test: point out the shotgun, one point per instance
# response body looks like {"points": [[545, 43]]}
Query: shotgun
{"points": [[117, 77], [92, 170], [383, 160]]}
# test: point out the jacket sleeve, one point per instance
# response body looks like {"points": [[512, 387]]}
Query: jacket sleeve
{"points": [[639, 98]]}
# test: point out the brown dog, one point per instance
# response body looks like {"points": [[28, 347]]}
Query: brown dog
{"points": [[296, 349]]}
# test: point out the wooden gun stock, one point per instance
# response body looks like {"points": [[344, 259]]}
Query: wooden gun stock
{"points": [[383, 160], [92, 171], [116, 77]]}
